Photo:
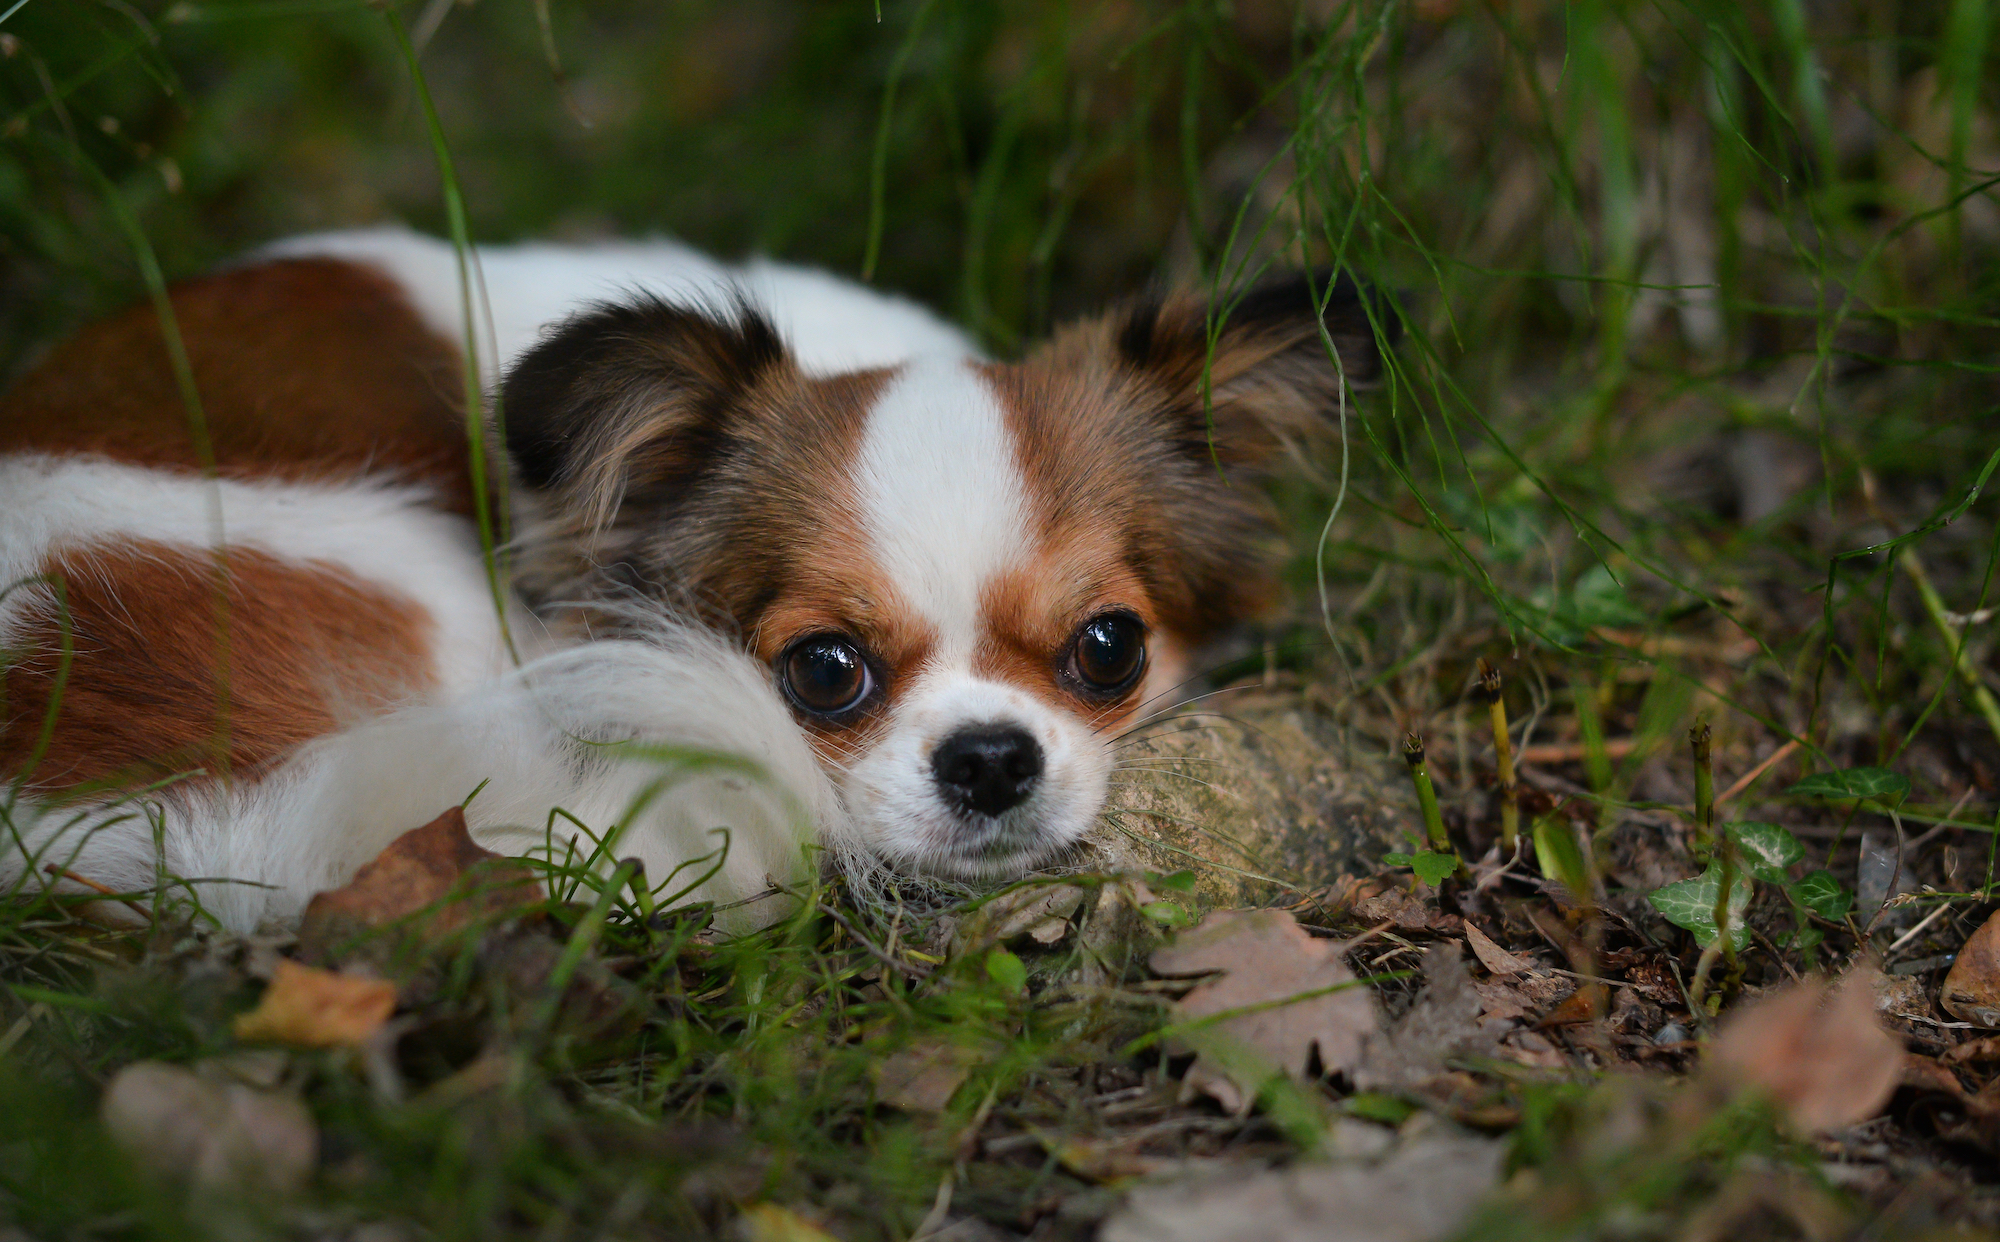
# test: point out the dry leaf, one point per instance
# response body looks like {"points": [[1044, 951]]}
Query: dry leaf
{"points": [[923, 1077], [1582, 1005], [1100, 1160], [1498, 1000], [418, 870], [1443, 1022], [767, 1222], [1266, 957], [1020, 913], [1394, 906], [1423, 1191], [1824, 1059], [1492, 956], [1986, 1049], [1971, 990], [205, 1129], [312, 1008]]}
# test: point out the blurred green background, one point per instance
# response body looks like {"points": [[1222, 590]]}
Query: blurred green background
{"points": [[1697, 293]]}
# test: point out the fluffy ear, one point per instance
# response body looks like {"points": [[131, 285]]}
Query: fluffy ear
{"points": [[1254, 370], [631, 399], [1127, 416]]}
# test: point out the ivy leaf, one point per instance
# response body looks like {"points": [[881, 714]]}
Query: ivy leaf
{"points": [[1854, 783], [1766, 850], [1010, 972], [1432, 867], [1691, 904], [1429, 865], [1820, 893]]}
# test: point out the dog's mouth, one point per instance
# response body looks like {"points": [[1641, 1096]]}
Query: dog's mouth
{"points": [[993, 848]]}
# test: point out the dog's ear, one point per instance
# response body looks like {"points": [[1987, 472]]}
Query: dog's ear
{"points": [[629, 398], [1165, 412], [1249, 371]]}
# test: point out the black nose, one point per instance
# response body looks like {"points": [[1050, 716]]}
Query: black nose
{"points": [[989, 770]]}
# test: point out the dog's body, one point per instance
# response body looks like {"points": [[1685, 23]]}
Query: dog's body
{"points": [[761, 512]]}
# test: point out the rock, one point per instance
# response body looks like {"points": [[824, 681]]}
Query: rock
{"points": [[1256, 792]]}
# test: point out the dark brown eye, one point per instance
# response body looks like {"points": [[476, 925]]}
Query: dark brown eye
{"points": [[825, 675], [1108, 653]]}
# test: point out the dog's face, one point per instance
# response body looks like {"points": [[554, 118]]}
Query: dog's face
{"points": [[965, 577]]}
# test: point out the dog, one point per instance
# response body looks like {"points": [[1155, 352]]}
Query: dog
{"points": [[788, 564]]}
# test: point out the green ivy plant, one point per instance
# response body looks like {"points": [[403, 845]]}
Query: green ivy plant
{"points": [[1765, 853], [1430, 866]]}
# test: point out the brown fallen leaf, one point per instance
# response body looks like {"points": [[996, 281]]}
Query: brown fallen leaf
{"points": [[1393, 906], [1822, 1056], [1492, 956], [1443, 1022], [418, 871], [1986, 1049], [1422, 1191], [923, 1077], [1582, 1005], [1971, 991], [1039, 911], [201, 1127], [1266, 959], [1498, 1000], [312, 1008]]}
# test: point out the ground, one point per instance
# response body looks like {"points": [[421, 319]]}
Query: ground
{"points": [[1691, 426]]}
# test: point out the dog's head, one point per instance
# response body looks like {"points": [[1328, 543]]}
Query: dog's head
{"points": [[964, 576]]}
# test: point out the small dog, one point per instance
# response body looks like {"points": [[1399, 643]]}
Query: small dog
{"points": [[791, 563]]}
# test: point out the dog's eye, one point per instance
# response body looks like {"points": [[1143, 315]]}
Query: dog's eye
{"points": [[825, 674], [1109, 653]]}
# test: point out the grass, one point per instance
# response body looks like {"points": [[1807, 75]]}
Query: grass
{"points": [[1694, 417]]}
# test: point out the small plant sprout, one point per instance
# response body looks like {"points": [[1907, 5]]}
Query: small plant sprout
{"points": [[1561, 858], [1503, 759], [1427, 803]]}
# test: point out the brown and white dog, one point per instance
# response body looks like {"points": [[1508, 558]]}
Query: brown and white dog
{"points": [[760, 512]]}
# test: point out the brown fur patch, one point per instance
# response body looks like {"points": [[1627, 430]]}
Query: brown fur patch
{"points": [[170, 673], [1136, 426], [680, 454], [1033, 612], [306, 369], [1098, 453]]}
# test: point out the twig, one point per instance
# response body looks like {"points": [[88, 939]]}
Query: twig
{"points": [[62, 873], [1749, 778], [1570, 752], [1911, 934], [908, 969]]}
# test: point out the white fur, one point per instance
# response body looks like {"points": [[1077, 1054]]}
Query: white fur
{"points": [[259, 851], [946, 512], [945, 509], [942, 495], [383, 533], [830, 324]]}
